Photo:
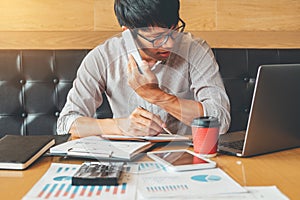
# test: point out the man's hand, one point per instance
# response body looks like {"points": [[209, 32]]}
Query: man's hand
{"points": [[143, 84], [141, 123]]}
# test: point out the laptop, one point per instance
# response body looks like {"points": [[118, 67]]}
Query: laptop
{"points": [[274, 120]]}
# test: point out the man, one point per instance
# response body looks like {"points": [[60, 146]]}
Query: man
{"points": [[180, 78]]}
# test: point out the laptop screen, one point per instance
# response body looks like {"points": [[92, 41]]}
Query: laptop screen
{"points": [[275, 110]]}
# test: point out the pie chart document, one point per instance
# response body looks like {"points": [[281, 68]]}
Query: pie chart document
{"points": [[196, 183]]}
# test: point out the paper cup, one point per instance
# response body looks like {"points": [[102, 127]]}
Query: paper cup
{"points": [[205, 132]]}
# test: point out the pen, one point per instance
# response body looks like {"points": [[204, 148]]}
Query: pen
{"points": [[165, 129]]}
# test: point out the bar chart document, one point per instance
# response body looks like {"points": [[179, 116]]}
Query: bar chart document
{"points": [[56, 184]]}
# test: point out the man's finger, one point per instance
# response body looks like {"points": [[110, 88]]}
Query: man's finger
{"points": [[151, 119], [145, 67], [133, 65]]}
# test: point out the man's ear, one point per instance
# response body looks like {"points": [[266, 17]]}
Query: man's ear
{"points": [[124, 28]]}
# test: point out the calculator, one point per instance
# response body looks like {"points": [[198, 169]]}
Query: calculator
{"points": [[98, 173]]}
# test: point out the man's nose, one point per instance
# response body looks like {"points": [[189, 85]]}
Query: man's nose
{"points": [[169, 43]]}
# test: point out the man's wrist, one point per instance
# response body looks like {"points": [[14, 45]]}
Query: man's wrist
{"points": [[160, 98]]}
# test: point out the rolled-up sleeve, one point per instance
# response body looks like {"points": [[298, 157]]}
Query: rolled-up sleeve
{"points": [[65, 121], [207, 84], [86, 94]]}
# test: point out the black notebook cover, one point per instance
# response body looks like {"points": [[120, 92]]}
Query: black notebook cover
{"points": [[18, 152]]}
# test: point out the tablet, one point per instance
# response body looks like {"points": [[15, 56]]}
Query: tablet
{"points": [[181, 160]]}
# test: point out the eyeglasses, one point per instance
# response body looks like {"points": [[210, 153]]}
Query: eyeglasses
{"points": [[161, 40]]}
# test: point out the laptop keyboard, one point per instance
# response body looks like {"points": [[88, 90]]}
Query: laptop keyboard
{"points": [[235, 145]]}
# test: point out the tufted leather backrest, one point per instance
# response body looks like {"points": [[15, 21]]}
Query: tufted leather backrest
{"points": [[34, 85], [33, 89]]}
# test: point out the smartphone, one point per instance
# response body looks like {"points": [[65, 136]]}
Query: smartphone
{"points": [[132, 48], [181, 160]]}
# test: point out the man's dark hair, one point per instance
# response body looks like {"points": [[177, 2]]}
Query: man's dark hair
{"points": [[145, 13]]}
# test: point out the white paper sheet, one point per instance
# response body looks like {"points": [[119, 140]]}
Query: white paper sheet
{"points": [[150, 180], [156, 182], [56, 184], [254, 193]]}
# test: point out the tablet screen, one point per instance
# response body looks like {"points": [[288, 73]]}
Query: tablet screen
{"points": [[180, 158]]}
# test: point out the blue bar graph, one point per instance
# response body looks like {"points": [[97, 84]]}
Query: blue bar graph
{"points": [[151, 166], [61, 187], [167, 188]]}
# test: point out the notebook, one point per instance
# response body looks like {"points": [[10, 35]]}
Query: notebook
{"points": [[95, 147], [18, 152], [273, 123], [158, 138]]}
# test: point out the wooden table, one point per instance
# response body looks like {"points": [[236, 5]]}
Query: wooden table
{"points": [[281, 169]]}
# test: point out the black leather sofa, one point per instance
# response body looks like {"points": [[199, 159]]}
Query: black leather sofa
{"points": [[34, 85]]}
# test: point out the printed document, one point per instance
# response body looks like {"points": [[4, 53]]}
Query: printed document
{"points": [[149, 180], [56, 184], [157, 182]]}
